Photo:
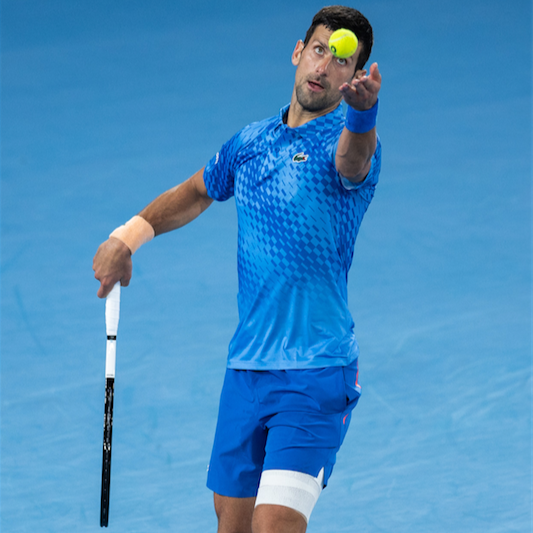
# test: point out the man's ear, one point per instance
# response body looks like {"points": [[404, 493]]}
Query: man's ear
{"points": [[297, 54]]}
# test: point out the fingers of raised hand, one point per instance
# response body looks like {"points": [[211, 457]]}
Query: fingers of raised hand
{"points": [[374, 73], [358, 95]]}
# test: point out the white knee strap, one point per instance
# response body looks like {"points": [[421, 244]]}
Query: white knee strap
{"points": [[290, 489]]}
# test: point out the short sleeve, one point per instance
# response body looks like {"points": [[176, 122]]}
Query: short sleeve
{"points": [[219, 174]]}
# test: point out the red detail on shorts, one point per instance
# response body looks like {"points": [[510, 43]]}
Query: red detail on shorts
{"points": [[344, 419]]}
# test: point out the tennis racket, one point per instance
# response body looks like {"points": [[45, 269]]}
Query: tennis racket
{"points": [[112, 313]]}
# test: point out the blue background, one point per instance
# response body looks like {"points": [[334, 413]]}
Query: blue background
{"points": [[107, 104]]}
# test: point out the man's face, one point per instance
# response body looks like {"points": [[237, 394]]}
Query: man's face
{"points": [[319, 73]]}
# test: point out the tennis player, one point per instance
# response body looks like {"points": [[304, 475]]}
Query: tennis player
{"points": [[302, 181]]}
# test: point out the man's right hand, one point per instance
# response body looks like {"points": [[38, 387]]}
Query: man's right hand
{"points": [[112, 263]]}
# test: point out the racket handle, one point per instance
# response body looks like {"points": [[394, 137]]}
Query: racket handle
{"points": [[112, 310], [112, 315]]}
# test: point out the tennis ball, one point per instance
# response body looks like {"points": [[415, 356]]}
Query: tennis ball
{"points": [[343, 43]]}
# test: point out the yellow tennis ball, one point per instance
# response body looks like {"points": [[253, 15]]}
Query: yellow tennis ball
{"points": [[343, 43]]}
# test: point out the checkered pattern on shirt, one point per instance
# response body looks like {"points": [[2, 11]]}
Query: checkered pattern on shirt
{"points": [[297, 230]]}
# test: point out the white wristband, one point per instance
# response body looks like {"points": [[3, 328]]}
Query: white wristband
{"points": [[134, 233]]}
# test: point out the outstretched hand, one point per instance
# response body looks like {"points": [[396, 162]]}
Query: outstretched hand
{"points": [[112, 263], [362, 92]]}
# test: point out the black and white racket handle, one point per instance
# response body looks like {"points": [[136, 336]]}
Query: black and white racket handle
{"points": [[112, 315]]}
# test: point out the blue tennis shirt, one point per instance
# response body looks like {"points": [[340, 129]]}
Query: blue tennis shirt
{"points": [[298, 222]]}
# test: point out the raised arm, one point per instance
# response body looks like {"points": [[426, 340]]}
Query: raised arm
{"points": [[355, 150], [171, 210]]}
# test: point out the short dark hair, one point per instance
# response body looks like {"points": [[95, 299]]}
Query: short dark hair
{"points": [[337, 17]]}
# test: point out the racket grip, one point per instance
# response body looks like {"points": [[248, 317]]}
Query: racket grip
{"points": [[112, 310], [112, 315]]}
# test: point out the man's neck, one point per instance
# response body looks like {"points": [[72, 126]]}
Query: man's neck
{"points": [[297, 116]]}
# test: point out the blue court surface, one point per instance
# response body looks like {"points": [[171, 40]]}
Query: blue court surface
{"points": [[107, 104]]}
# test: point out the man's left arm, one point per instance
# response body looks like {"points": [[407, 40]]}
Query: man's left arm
{"points": [[355, 149]]}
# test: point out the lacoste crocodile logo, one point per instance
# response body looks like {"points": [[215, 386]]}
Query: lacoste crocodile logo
{"points": [[300, 158]]}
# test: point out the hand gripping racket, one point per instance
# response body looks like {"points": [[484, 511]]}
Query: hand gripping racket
{"points": [[112, 313]]}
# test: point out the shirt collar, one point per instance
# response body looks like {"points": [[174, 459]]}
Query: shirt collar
{"points": [[317, 124]]}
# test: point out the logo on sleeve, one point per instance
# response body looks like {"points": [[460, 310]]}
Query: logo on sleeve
{"points": [[300, 158]]}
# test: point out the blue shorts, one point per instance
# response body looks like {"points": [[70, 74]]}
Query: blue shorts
{"points": [[279, 419]]}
